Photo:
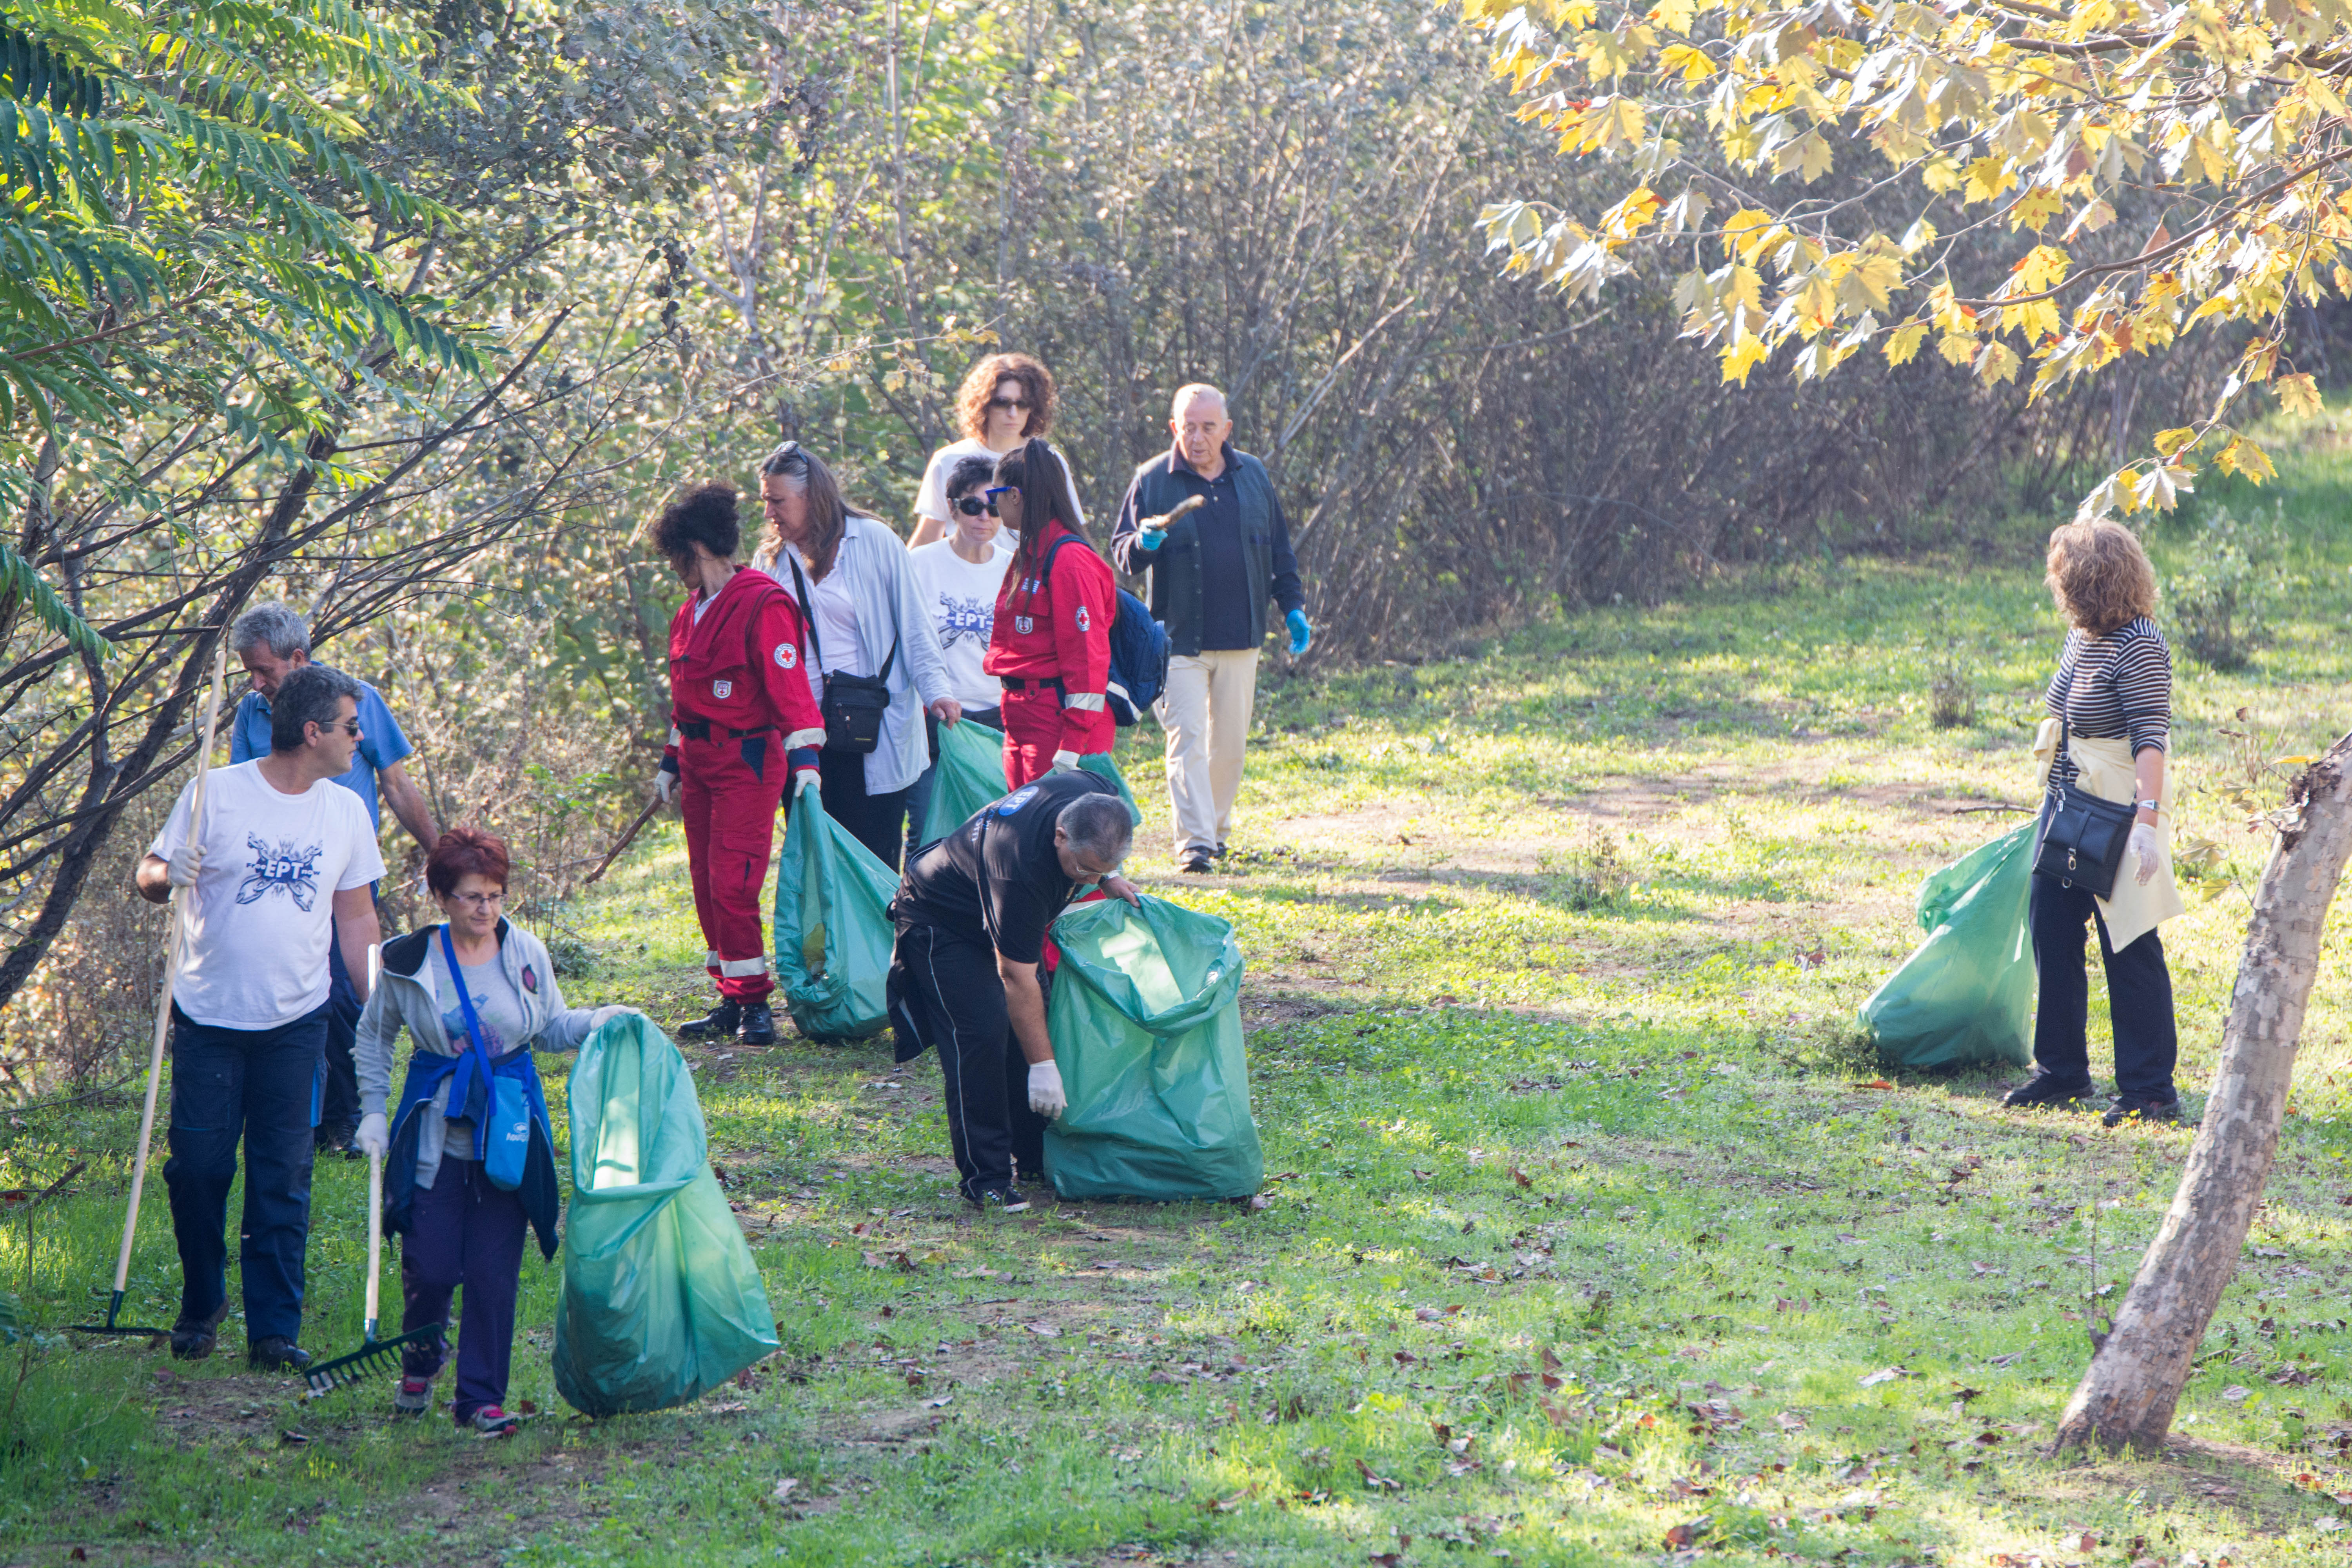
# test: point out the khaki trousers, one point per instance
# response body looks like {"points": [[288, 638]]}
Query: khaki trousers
{"points": [[1206, 712]]}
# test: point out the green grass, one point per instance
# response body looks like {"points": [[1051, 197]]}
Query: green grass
{"points": [[1592, 1218]]}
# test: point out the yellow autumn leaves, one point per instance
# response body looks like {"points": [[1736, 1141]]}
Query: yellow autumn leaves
{"points": [[2016, 120]]}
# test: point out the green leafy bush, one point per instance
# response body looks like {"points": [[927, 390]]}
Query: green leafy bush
{"points": [[2221, 606]]}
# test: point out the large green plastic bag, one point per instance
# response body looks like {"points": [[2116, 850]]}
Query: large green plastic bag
{"points": [[971, 775], [833, 927], [1101, 766], [661, 1299], [1146, 1030], [1963, 998]]}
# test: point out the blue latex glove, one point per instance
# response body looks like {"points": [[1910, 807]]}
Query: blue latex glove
{"points": [[1151, 538], [1301, 633]]}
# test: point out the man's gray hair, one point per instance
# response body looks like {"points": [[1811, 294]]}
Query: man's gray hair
{"points": [[1098, 827], [311, 695], [286, 633]]}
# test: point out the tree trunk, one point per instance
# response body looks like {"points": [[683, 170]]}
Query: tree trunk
{"points": [[2127, 1394]]}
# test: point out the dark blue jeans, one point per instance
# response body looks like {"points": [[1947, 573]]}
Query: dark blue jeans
{"points": [[2140, 998], [338, 1106], [466, 1231], [260, 1085]]}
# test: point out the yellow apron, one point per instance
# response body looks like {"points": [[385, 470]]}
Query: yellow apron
{"points": [[2102, 767]]}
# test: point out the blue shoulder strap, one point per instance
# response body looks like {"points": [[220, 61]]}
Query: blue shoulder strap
{"points": [[462, 1090]]}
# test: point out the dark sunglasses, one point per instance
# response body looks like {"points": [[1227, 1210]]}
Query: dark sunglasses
{"points": [[788, 456], [995, 490], [973, 506], [1014, 404], [348, 726]]}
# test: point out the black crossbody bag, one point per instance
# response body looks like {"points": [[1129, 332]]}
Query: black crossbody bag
{"points": [[853, 705], [2082, 836]]}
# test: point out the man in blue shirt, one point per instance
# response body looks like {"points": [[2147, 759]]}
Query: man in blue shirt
{"points": [[272, 642], [1214, 568]]}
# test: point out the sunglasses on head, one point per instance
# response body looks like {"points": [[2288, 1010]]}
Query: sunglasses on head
{"points": [[789, 455], [974, 506]]}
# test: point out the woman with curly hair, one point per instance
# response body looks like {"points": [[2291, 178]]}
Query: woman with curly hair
{"points": [[2111, 720], [1004, 400]]}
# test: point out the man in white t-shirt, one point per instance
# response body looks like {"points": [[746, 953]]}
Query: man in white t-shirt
{"points": [[957, 579], [1005, 399], [280, 868]]}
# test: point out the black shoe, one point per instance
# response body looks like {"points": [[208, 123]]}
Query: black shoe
{"points": [[1218, 853], [2041, 1088], [718, 1024], [1196, 863], [354, 1152], [193, 1338], [758, 1024], [276, 1354], [2145, 1112], [335, 1135], [1001, 1200]]}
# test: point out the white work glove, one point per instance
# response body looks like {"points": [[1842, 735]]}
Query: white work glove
{"points": [[1046, 1096], [665, 784], [1066, 762], [804, 780], [187, 861], [374, 1137], [2144, 850], [605, 1015]]}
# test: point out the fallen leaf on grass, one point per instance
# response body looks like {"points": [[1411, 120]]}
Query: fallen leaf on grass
{"points": [[526, 1407], [1790, 1420], [1375, 1480], [2235, 1392], [2012, 1359], [1682, 1537], [1874, 1083], [1044, 1331], [1521, 1178], [784, 1489], [1884, 1374], [1421, 1176], [942, 1403], [1227, 1504], [292, 1438]]}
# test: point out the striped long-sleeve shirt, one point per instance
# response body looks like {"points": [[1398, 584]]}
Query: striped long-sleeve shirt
{"points": [[2113, 686]]}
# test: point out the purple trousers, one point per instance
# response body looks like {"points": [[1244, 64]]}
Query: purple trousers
{"points": [[463, 1231]]}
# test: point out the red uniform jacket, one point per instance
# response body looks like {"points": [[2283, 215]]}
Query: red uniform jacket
{"points": [[1058, 628], [740, 668]]}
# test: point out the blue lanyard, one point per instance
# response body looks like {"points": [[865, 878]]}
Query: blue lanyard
{"points": [[461, 1091]]}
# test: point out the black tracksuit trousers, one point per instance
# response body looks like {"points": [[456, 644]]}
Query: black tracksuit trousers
{"points": [[955, 1002]]}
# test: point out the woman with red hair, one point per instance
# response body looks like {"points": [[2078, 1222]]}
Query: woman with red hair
{"points": [[1051, 642], [475, 993]]}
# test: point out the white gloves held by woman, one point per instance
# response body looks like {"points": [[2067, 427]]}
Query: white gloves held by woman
{"points": [[1046, 1096], [2146, 855], [373, 1138]]}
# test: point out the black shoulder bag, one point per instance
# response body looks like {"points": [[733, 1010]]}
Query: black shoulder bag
{"points": [[2082, 836], [853, 705]]}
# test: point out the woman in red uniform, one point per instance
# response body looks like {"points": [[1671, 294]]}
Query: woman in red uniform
{"points": [[1050, 642], [741, 718]]}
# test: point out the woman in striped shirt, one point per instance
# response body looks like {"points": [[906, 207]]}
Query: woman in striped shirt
{"points": [[2114, 692]]}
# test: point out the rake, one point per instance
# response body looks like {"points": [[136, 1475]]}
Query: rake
{"points": [[162, 1026], [374, 1357]]}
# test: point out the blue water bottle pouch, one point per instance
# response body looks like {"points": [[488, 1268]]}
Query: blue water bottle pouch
{"points": [[503, 1135]]}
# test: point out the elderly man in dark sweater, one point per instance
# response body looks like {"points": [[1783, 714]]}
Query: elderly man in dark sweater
{"points": [[1213, 571]]}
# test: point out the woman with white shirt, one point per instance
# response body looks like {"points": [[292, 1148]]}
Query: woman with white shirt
{"points": [[863, 618], [1005, 399], [957, 578]]}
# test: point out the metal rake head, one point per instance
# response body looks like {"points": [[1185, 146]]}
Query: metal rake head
{"points": [[372, 1360]]}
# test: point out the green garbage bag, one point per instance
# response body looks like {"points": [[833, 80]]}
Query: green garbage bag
{"points": [[1101, 766], [1963, 998], [833, 928], [661, 1299], [971, 775], [1146, 1030]]}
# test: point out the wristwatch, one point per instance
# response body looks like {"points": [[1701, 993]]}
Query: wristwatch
{"points": [[2155, 805]]}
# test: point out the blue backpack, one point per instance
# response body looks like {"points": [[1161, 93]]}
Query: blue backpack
{"points": [[1138, 652]]}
